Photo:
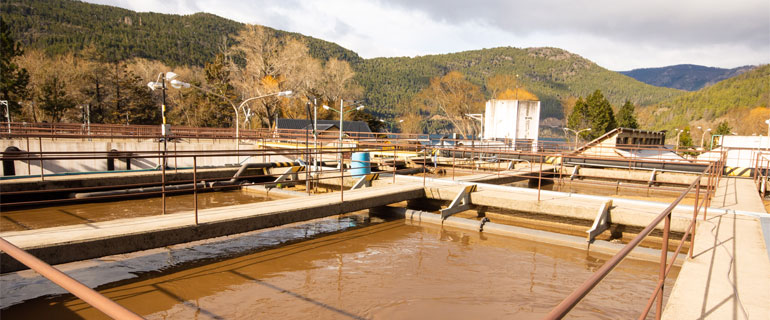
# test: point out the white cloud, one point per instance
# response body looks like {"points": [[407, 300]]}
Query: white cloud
{"points": [[618, 35]]}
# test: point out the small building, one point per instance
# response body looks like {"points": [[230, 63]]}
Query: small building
{"points": [[512, 120], [327, 128], [630, 143]]}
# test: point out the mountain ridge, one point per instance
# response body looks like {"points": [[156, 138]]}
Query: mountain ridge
{"points": [[689, 77]]}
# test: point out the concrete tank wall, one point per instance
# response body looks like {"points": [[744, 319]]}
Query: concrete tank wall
{"points": [[123, 147]]}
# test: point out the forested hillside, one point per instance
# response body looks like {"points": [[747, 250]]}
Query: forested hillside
{"points": [[741, 100], [61, 26], [553, 74], [684, 76], [62, 38]]}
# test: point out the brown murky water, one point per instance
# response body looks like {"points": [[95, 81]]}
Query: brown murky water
{"points": [[386, 270], [36, 218]]}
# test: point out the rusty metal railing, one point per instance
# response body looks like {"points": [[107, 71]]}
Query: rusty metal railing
{"points": [[90, 296], [713, 173]]}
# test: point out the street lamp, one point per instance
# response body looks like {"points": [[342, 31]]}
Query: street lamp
{"points": [[678, 132], [164, 129], [576, 134], [342, 115], [7, 113], [703, 136], [179, 85]]}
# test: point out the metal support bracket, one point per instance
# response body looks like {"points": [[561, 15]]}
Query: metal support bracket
{"points": [[601, 223], [652, 177], [290, 172], [461, 202], [366, 181], [575, 172]]}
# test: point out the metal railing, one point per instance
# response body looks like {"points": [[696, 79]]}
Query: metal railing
{"points": [[713, 173], [88, 295]]}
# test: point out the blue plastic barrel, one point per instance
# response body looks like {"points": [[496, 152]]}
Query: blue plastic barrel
{"points": [[360, 164]]}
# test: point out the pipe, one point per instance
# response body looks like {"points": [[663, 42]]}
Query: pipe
{"points": [[93, 298], [187, 186]]}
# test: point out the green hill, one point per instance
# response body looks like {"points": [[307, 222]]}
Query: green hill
{"points": [[59, 26], [552, 74], [732, 99]]}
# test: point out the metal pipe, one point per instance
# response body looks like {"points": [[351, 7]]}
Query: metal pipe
{"points": [[88, 295]]}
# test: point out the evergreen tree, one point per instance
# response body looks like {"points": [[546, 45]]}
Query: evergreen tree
{"points": [[54, 101], [580, 118], [625, 116], [13, 80], [723, 128], [602, 117]]}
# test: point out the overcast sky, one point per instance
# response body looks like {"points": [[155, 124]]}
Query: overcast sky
{"points": [[616, 34]]}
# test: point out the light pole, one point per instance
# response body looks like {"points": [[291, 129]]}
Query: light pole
{"points": [[7, 113], [703, 136], [342, 115], [176, 84], [576, 134]]}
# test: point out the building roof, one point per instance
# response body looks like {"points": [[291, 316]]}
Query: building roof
{"points": [[304, 124], [611, 133]]}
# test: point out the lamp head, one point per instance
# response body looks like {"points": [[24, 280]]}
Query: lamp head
{"points": [[170, 75], [286, 93], [359, 107], [382, 120], [154, 85], [176, 84], [402, 120], [326, 107]]}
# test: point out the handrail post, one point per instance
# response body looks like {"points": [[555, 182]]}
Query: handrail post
{"points": [[195, 187], [662, 274], [695, 209]]}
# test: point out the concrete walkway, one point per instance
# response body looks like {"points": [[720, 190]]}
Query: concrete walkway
{"points": [[729, 274], [84, 241]]}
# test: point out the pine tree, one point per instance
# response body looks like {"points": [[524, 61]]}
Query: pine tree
{"points": [[685, 139], [13, 80], [602, 116], [580, 118], [54, 101], [723, 128], [625, 116]]}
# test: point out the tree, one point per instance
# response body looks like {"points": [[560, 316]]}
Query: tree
{"points": [[13, 79], [54, 100], [602, 117], [580, 117], [453, 97], [361, 115], [685, 139], [723, 128], [625, 116]]}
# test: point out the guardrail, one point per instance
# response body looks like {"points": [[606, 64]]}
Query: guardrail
{"points": [[713, 173], [90, 296]]}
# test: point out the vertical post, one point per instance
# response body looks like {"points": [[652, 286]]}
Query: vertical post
{"points": [[662, 274], [342, 179], [424, 161], [454, 157], [342, 115], [163, 183], [394, 162], [42, 169], [29, 166], [539, 178], [195, 187], [696, 207]]}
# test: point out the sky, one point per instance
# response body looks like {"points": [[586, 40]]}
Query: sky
{"points": [[617, 35]]}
